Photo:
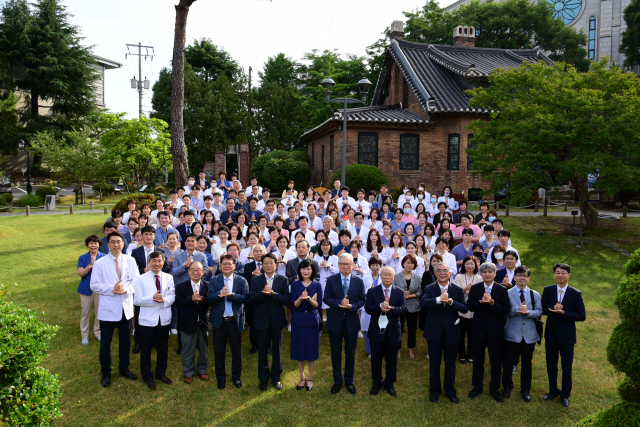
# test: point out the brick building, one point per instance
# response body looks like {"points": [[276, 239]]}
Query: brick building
{"points": [[415, 130]]}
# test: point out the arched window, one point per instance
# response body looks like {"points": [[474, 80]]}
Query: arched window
{"points": [[368, 148], [592, 38]]}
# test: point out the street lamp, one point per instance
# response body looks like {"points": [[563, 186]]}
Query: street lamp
{"points": [[327, 87], [22, 147]]}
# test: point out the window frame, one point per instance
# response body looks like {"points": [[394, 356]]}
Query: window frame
{"points": [[449, 152], [417, 168], [591, 38], [377, 146]]}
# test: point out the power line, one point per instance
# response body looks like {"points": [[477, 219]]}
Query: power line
{"points": [[139, 84]]}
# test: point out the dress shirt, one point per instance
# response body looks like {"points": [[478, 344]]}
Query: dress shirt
{"points": [[161, 235], [228, 308], [442, 290], [147, 252], [562, 292], [103, 279], [489, 288], [152, 312], [343, 278]]}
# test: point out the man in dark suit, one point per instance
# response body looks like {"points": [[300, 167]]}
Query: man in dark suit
{"points": [[563, 306], [228, 216], [185, 228], [253, 269], [302, 249], [344, 294], [202, 181], [191, 297], [386, 302], [269, 295], [442, 330], [227, 294], [506, 276], [489, 302]]}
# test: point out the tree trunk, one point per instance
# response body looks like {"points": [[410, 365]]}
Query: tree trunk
{"points": [[589, 212], [178, 148]]}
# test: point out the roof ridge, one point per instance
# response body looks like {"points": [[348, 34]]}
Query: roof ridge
{"points": [[409, 74], [455, 65]]}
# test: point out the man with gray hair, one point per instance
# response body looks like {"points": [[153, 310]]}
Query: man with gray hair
{"points": [[489, 302], [344, 294]]}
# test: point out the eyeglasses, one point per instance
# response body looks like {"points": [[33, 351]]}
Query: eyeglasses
{"points": [[345, 263], [196, 270], [522, 276]]}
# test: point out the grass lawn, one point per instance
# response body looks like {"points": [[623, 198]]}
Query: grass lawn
{"points": [[40, 254]]}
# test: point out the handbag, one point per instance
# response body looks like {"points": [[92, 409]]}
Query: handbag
{"points": [[538, 320]]}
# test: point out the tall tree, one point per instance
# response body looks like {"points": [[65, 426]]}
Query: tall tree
{"points": [[553, 124], [8, 116], [178, 148], [630, 44], [49, 65], [280, 70], [210, 61]]}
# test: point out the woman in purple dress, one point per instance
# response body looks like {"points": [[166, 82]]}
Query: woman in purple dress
{"points": [[305, 319]]}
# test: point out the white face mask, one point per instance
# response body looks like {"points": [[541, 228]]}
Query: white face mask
{"points": [[405, 191], [420, 196], [499, 255], [447, 193], [421, 188], [191, 183], [383, 322]]}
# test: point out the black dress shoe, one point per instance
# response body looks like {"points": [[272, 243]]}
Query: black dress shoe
{"points": [[391, 391], [136, 349], [269, 351], [526, 396], [433, 398], [351, 389], [506, 393], [374, 391], [453, 398], [221, 384], [128, 374], [497, 396], [549, 396], [164, 379], [300, 387], [335, 388], [150, 384], [253, 350], [277, 385], [565, 402], [106, 380], [473, 393], [237, 383], [263, 386]]}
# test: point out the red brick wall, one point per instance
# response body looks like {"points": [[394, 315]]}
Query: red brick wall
{"points": [[464, 41], [220, 164]]}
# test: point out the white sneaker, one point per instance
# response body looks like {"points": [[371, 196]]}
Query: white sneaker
{"points": [[174, 332], [360, 335], [369, 356], [289, 328], [85, 341], [98, 337]]}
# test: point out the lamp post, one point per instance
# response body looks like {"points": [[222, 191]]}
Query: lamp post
{"points": [[22, 147], [327, 87]]}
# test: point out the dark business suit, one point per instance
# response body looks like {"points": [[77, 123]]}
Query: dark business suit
{"points": [[487, 331], [247, 273], [203, 183], [193, 325], [182, 230], [227, 328], [343, 323], [385, 344], [269, 320], [442, 334], [292, 269], [500, 275], [560, 335]]}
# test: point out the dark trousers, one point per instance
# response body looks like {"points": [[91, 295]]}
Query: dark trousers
{"points": [[465, 345], [423, 317], [270, 337], [228, 331], [136, 314], [495, 359], [124, 345], [389, 352], [350, 342], [554, 349], [513, 351], [150, 335], [436, 348], [412, 327], [253, 336]]}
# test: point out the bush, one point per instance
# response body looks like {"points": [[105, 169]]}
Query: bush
{"points": [[622, 414], [362, 176], [140, 198], [45, 191], [3, 201], [275, 169], [160, 189], [30, 200], [106, 188], [29, 394], [8, 197]]}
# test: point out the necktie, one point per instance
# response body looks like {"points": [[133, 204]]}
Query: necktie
{"points": [[228, 309], [157, 283], [345, 286], [521, 295], [188, 229], [118, 269], [259, 265], [560, 297], [357, 231], [195, 287], [386, 295], [488, 289]]}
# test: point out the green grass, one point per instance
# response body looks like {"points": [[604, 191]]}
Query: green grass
{"points": [[40, 255]]}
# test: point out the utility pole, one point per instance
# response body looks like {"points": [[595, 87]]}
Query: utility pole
{"points": [[139, 84]]}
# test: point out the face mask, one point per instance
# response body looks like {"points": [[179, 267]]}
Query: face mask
{"points": [[479, 254], [191, 182], [405, 191], [421, 188], [499, 255], [491, 218], [447, 193], [420, 196], [409, 197], [407, 210], [433, 200], [289, 196]]}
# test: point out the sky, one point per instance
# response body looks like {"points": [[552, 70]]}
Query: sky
{"points": [[250, 30]]}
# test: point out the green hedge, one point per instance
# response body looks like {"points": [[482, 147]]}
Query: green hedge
{"points": [[140, 198], [3, 201], [29, 394], [620, 415], [30, 200], [8, 197], [275, 169], [106, 188], [45, 191], [361, 176]]}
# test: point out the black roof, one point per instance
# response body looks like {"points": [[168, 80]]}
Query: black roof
{"points": [[430, 70]]}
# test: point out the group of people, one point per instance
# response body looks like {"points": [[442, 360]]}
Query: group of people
{"points": [[205, 264]]}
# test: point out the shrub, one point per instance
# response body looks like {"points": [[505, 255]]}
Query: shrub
{"points": [[45, 191], [140, 198], [3, 201], [29, 200], [275, 169], [29, 394], [621, 414], [160, 189], [8, 197], [362, 176], [106, 188]]}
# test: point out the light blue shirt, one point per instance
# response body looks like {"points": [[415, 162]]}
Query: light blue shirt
{"points": [[228, 308], [342, 281], [161, 235]]}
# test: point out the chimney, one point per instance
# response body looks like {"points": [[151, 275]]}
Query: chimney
{"points": [[397, 29], [464, 36]]}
